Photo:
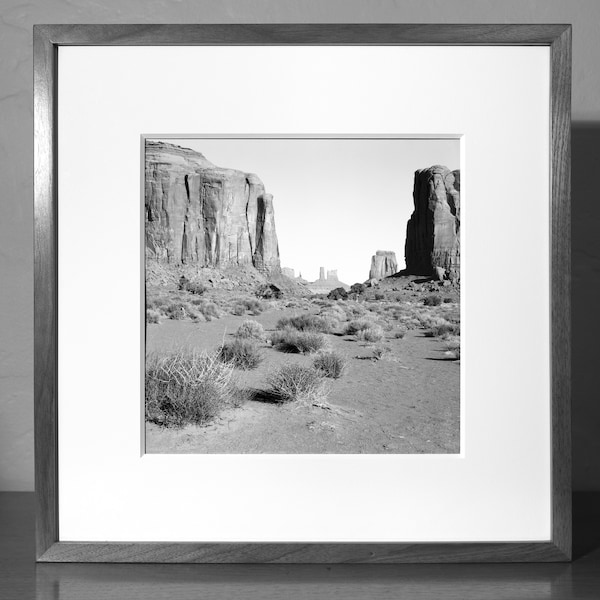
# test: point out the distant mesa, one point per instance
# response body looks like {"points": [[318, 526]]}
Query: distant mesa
{"points": [[383, 264], [204, 215], [291, 274], [433, 231], [326, 283]]}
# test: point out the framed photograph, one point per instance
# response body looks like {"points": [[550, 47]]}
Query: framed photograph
{"points": [[260, 252]]}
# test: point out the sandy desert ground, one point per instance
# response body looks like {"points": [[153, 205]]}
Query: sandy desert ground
{"points": [[406, 401]]}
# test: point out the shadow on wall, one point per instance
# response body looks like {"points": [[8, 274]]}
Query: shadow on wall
{"points": [[585, 305]]}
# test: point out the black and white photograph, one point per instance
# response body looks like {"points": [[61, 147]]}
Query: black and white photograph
{"points": [[302, 295]]}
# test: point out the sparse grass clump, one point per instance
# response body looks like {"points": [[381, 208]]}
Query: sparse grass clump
{"points": [[304, 323], [186, 386], [292, 340], [252, 330], [297, 383], [374, 333], [433, 300], [241, 353], [330, 364], [399, 333], [152, 316]]}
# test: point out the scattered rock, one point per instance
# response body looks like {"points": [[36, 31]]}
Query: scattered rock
{"points": [[439, 273]]}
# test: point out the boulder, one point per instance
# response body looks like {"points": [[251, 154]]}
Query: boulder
{"points": [[439, 273], [383, 264], [433, 231], [198, 213]]}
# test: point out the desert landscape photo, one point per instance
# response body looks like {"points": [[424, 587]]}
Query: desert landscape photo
{"points": [[302, 295]]}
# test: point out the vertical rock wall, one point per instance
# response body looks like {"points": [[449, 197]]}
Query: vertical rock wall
{"points": [[433, 231], [197, 213], [383, 264]]}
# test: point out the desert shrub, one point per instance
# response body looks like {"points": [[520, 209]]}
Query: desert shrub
{"points": [[379, 296], [357, 325], [453, 347], [177, 310], [358, 288], [251, 329], [379, 351], [195, 287], [442, 329], [335, 313], [370, 334], [252, 305], [209, 310], [183, 281], [186, 386], [152, 316], [241, 353], [292, 340], [428, 320], [297, 383], [156, 302], [238, 309], [304, 323], [330, 364], [448, 300], [399, 333], [338, 293], [432, 300]]}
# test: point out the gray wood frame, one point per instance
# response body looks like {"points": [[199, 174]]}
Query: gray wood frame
{"points": [[47, 39]]}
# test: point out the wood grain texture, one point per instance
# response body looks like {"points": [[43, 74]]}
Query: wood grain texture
{"points": [[560, 326], [45, 293], [46, 40], [315, 34], [295, 553]]}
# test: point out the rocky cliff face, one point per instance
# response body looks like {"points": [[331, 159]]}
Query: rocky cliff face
{"points": [[198, 213], [433, 231], [383, 264]]}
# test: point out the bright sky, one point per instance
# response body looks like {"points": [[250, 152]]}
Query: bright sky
{"points": [[336, 201]]}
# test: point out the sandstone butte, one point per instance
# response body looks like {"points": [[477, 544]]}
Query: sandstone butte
{"points": [[204, 215], [383, 264], [433, 231]]}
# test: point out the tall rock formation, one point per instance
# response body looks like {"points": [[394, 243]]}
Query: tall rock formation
{"points": [[433, 231], [383, 264], [198, 213]]}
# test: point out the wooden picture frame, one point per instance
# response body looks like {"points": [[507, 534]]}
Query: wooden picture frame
{"points": [[47, 40]]}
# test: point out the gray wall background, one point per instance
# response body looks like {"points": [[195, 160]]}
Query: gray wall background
{"points": [[16, 176]]}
